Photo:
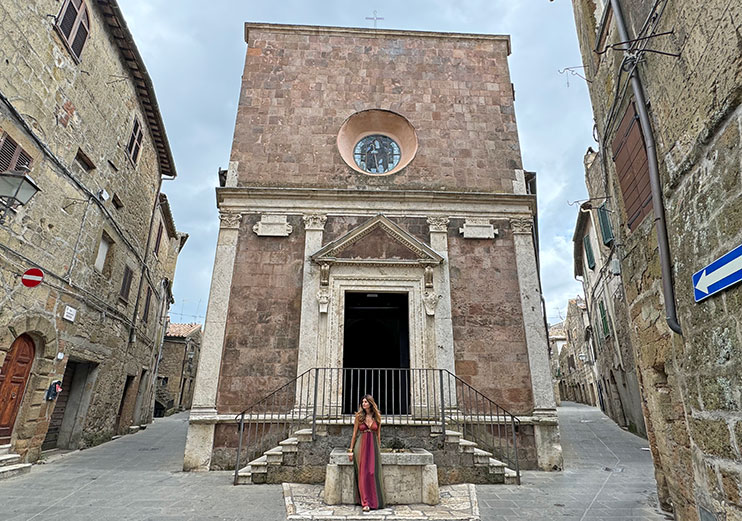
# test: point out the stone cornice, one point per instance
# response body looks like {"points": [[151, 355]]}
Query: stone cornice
{"points": [[409, 203], [368, 33]]}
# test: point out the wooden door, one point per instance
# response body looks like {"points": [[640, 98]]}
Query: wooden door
{"points": [[13, 379]]}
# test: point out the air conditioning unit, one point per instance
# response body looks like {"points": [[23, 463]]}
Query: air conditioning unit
{"points": [[615, 267]]}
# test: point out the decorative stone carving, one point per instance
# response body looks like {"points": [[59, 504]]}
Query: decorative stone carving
{"points": [[273, 226], [521, 225], [323, 298], [438, 224], [230, 219], [430, 301], [428, 277], [314, 222], [324, 274], [478, 228]]}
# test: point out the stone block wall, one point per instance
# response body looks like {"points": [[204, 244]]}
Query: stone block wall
{"points": [[455, 91], [690, 383]]}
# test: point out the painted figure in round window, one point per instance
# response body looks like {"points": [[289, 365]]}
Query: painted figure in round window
{"points": [[377, 154]]}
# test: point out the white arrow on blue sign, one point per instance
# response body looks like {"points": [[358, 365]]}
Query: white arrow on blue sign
{"points": [[719, 275]]}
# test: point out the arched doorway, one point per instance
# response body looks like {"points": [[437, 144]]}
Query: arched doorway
{"points": [[13, 379]]}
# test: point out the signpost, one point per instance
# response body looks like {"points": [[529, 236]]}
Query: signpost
{"points": [[32, 277], [719, 275]]}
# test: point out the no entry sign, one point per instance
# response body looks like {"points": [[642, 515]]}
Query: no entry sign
{"points": [[32, 277]]}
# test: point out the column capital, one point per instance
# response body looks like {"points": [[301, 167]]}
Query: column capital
{"points": [[314, 221], [521, 225], [438, 224], [230, 219]]}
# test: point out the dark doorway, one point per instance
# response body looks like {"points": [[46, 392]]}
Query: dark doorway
{"points": [[376, 357]]}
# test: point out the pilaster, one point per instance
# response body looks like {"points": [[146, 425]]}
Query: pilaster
{"points": [[442, 286], [311, 299]]}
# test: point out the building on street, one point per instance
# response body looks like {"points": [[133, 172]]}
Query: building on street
{"points": [[578, 379], [557, 341], [176, 371], [375, 214], [79, 117], [665, 80]]}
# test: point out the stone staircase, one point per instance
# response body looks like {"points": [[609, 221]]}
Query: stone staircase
{"points": [[297, 459], [10, 464]]}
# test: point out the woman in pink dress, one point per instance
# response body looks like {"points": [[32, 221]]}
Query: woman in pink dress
{"points": [[365, 455]]}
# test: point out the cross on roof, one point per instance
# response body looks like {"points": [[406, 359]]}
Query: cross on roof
{"points": [[374, 18]]}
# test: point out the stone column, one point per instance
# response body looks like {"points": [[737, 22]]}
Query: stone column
{"points": [[203, 416], [442, 286], [309, 356], [546, 426]]}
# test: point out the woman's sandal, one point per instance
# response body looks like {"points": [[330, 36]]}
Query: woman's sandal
{"points": [[366, 509]]}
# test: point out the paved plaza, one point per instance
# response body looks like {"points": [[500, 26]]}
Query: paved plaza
{"points": [[137, 477]]}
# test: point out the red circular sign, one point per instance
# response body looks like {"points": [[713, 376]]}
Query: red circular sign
{"points": [[32, 277]]}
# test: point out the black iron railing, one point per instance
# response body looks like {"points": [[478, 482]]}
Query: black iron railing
{"points": [[429, 397]]}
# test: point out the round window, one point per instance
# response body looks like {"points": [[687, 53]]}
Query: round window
{"points": [[377, 154]]}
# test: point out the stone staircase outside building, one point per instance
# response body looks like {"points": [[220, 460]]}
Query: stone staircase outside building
{"points": [[10, 464], [299, 459]]}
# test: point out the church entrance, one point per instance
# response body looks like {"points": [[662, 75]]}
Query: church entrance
{"points": [[376, 336]]}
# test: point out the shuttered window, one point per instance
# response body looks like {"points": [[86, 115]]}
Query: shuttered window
{"points": [[158, 240], [605, 224], [73, 23], [12, 156], [135, 142], [604, 319], [145, 313], [126, 283], [632, 168], [589, 252]]}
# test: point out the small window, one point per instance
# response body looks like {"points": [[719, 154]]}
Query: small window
{"points": [[12, 156], [84, 161], [605, 224], [73, 24], [135, 142], [126, 284], [589, 252], [147, 300], [159, 239], [102, 261], [117, 202]]}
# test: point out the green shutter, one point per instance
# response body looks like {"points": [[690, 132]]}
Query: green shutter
{"points": [[588, 252], [604, 319], [605, 224]]}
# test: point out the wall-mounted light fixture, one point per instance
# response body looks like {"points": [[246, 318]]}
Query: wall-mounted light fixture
{"points": [[15, 186]]}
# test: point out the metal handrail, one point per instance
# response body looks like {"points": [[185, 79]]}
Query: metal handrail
{"points": [[431, 397]]}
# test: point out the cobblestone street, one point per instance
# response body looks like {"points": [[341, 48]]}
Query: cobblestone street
{"points": [[138, 477]]}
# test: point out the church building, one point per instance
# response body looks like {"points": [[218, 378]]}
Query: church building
{"points": [[376, 225]]}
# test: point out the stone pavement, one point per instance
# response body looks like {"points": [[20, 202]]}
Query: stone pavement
{"points": [[607, 476], [138, 477]]}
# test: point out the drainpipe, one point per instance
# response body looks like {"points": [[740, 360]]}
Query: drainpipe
{"points": [[654, 180]]}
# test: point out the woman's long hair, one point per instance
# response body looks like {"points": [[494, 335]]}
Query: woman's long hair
{"points": [[361, 414]]}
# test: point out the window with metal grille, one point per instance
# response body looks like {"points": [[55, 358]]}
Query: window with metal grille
{"points": [[126, 283], [632, 168], [135, 142], [73, 23], [589, 252], [605, 224], [12, 156], [158, 240]]}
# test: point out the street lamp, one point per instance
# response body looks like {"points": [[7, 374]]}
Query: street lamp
{"points": [[15, 186]]}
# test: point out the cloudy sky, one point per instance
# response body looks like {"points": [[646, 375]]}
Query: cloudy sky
{"points": [[195, 53]]}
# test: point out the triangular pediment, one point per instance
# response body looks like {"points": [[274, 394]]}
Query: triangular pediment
{"points": [[378, 241]]}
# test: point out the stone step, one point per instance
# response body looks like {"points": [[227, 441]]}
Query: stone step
{"points": [[274, 456], [289, 445], [481, 457], [467, 446], [9, 459], [453, 436], [303, 435], [259, 466], [14, 470], [5, 449], [496, 466], [511, 477], [244, 476]]}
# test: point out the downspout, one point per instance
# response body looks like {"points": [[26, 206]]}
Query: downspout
{"points": [[654, 180]]}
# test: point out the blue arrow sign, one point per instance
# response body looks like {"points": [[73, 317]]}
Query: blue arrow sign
{"points": [[719, 275]]}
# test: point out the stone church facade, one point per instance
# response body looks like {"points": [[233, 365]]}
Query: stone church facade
{"points": [[374, 168]]}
